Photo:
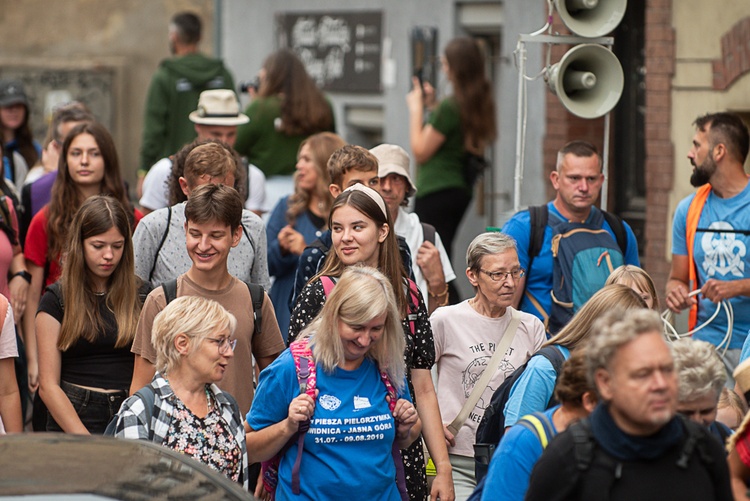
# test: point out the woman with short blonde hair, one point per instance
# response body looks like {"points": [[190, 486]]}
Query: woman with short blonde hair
{"points": [[194, 343]]}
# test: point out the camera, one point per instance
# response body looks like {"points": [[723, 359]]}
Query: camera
{"points": [[246, 85]]}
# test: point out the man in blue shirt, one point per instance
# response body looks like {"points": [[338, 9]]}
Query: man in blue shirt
{"points": [[577, 179], [717, 222]]}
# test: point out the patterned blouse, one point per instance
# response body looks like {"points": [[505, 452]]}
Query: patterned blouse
{"points": [[419, 354], [223, 427], [207, 439]]}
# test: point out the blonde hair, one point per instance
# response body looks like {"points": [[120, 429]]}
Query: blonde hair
{"points": [[579, 329], [194, 316], [361, 294], [729, 399], [633, 276]]}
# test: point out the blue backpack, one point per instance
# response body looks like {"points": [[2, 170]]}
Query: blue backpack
{"points": [[584, 255]]}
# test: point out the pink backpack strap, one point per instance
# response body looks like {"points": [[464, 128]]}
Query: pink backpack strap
{"points": [[328, 284], [307, 380], [413, 306]]}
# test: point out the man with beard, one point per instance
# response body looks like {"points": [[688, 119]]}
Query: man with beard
{"points": [[633, 446], [710, 235]]}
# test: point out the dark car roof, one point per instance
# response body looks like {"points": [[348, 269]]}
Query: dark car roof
{"points": [[56, 463]]}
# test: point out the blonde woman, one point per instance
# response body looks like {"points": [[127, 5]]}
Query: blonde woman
{"points": [[194, 343], [637, 279], [348, 448]]}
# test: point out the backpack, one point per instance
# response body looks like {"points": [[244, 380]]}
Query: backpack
{"points": [[428, 233], [588, 456], [164, 239], [256, 295], [329, 283], [147, 395], [492, 426], [307, 379], [539, 216], [540, 425], [584, 255]]}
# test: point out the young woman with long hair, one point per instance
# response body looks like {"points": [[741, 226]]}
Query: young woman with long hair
{"points": [[300, 218], [287, 109], [88, 166], [362, 233], [87, 320], [459, 127]]}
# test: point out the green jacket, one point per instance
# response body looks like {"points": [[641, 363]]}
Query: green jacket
{"points": [[172, 96]]}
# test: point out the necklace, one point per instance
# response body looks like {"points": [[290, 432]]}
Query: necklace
{"points": [[100, 294]]}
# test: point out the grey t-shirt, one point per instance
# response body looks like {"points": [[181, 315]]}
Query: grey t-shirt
{"points": [[247, 261]]}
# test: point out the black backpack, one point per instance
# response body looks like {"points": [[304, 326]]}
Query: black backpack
{"points": [[492, 427]]}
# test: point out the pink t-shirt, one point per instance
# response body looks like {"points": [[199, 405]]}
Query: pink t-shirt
{"points": [[8, 346], [464, 344]]}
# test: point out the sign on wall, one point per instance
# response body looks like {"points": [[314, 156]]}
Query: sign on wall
{"points": [[341, 50]]}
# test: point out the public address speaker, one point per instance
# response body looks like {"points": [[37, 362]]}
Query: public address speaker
{"points": [[588, 80], [591, 18]]}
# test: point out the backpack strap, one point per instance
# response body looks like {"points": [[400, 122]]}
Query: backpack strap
{"points": [[306, 377], [691, 228], [428, 232], [161, 244], [257, 294], [170, 290], [540, 425], [618, 227], [328, 284], [556, 358], [413, 306], [147, 395], [538, 219], [247, 234]]}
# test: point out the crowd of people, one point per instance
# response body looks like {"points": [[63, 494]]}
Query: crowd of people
{"points": [[318, 346]]}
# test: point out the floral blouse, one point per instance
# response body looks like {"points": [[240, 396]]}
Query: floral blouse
{"points": [[207, 440]]}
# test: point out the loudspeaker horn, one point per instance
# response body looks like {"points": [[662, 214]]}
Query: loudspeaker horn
{"points": [[591, 18], [588, 80]]}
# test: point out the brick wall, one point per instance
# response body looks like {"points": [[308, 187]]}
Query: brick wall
{"points": [[735, 55], [660, 66]]}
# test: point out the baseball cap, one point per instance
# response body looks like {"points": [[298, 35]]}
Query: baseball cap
{"points": [[218, 107], [11, 92]]}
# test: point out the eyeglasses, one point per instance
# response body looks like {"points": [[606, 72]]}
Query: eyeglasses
{"points": [[502, 276], [224, 344]]}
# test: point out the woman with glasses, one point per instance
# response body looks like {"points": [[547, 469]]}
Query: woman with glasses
{"points": [[86, 321], [467, 336], [193, 339]]}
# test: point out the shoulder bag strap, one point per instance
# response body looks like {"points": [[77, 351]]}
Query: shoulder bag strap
{"points": [[471, 402], [161, 244]]}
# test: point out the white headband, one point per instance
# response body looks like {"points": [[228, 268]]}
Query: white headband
{"points": [[372, 194]]}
